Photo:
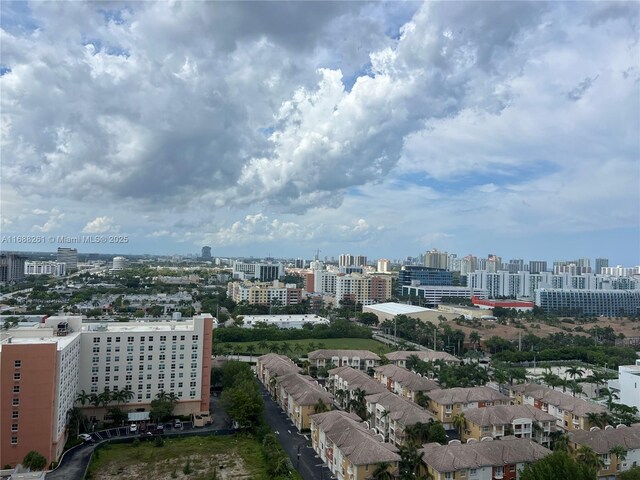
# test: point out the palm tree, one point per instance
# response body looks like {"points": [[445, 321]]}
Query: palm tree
{"points": [[321, 407], [620, 452], [574, 372], [298, 348], [312, 346], [285, 348], [422, 399], [586, 455], [459, 422], [263, 345], [474, 338], [575, 388], [83, 397], [274, 348], [382, 471], [411, 460], [321, 346], [357, 403], [560, 441], [610, 394], [340, 395], [251, 349]]}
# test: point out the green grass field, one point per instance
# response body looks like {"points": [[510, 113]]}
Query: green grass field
{"points": [[241, 457], [302, 347]]}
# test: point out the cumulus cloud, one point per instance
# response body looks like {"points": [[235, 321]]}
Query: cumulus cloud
{"points": [[101, 225]]}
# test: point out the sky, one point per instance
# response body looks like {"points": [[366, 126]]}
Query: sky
{"points": [[280, 128]]}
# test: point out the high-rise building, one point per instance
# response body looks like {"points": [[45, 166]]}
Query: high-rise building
{"points": [[436, 259], [360, 261], [38, 267], [600, 264], [383, 266], [416, 275], [11, 267], [611, 303], [346, 260], [299, 263], [264, 272], [516, 265], [537, 266], [118, 263], [206, 253], [43, 370], [68, 256]]}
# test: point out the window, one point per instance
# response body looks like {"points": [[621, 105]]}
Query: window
{"points": [[148, 376], [96, 349], [128, 378], [14, 440], [142, 338], [16, 376], [141, 358], [115, 378], [16, 389], [161, 386], [17, 363], [16, 402], [108, 359], [150, 348], [140, 367], [116, 368], [149, 357], [151, 338], [117, 340], [195, 338], [129, 348], [107, 378], [94, 379], [108, 339], [182, 338], [129, 339], [107, 369], [161, 357], [142, 348], [148, 386], [96, 339], [95, 359], [14, 415]]}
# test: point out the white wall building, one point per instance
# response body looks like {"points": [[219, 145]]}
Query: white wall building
{"points": [[629, 381], [44, 268]]}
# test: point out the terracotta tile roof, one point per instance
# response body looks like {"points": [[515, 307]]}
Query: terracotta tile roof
{"points": [[450, 396], [509, 451], [407, 379], [577, 406]]}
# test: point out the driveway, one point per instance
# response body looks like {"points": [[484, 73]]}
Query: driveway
{"points": [[308, 464]]}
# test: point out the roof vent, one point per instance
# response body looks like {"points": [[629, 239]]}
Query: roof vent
{"points": [[609, 427], [594, 429], [472, 440], [455, 442], [620, 425]]}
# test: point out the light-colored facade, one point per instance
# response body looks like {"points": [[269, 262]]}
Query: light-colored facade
{"points": [[44, 367], [298, 395], [571, 413], [388, 310], [283, 321], [344, 381], [433, 294], [629, 381], [521, 421], [447, 403], [56, 269], [264, 293], [486, 460], [402, 382], [68, 256], [602, 441], [271, 366], [609, 303], [12, 266], [349, 449], [389, 415], [262, 272], [358, 359]]}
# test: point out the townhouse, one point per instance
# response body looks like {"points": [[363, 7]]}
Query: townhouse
{"points": [[602, 441], [298, 396], [521, 421], [486, 460], [571, 413], [344, 381], [348, 447], [403, 382], [389, 415], [446, 404], [271, 366], [358, 359], [400, 357]]}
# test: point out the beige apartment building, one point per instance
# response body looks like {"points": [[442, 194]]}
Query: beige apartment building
{"points": [[446, 404], [400, 357], [403, 382], [298, 396], [521, 421], [358, 359]]}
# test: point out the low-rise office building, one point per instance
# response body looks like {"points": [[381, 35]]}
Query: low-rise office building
{"points": [[358, 359], [348, 447], [402, 382], [571, 413], [602, 441], [447, 403], [486, 460], [283, 321], [389, 415], [521, 421]]}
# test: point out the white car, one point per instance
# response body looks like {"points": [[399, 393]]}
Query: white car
{"points": [[86, 437], [133, 428], [177, 424]]}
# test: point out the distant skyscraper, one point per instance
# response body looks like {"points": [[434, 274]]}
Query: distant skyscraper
{"points": [[300, 262], [206, 253], [600, 264], [537, 266], [69, 256], [11, 267], [436, 259], [346, 260], [516, 265], [383, 265], [361, 261]]}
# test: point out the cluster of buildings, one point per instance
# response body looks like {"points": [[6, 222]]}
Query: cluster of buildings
{"points": [[44, 366]]}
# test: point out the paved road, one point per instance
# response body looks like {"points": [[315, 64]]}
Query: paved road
{"points": [[309, 465]]}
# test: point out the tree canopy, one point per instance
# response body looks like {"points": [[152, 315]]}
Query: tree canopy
{"points": [[557, 465]]}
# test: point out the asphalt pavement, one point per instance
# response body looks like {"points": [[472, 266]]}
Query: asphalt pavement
{"points": [[296, 445]]}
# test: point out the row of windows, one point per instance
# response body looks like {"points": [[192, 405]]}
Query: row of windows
{"points": [[163, 338], [149, 348]]}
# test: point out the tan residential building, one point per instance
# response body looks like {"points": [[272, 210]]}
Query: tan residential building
{"points": [[571, 413], [521, 421], [264, 293], [602, 441], [344, 381], [400, 357], [446, 404], [271, 366], [348, 447], [390, 415], [486, 460], [403, 382], [358, 359], [298, 396]]}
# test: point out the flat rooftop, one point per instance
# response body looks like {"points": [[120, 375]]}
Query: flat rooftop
{"points": [[62, 342], [143, 326], [398, 308]]}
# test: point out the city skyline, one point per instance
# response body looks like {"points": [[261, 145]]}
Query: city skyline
{"points": [[364, 128]]}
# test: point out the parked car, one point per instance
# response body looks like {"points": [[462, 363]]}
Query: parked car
{"points": [[133, 428], [177, 424], [86, 437]]}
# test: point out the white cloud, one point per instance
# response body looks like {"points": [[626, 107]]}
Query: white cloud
{"points": [[101, 225]]}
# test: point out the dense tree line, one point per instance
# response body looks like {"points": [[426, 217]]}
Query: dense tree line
{"points": [[336, 329]]}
